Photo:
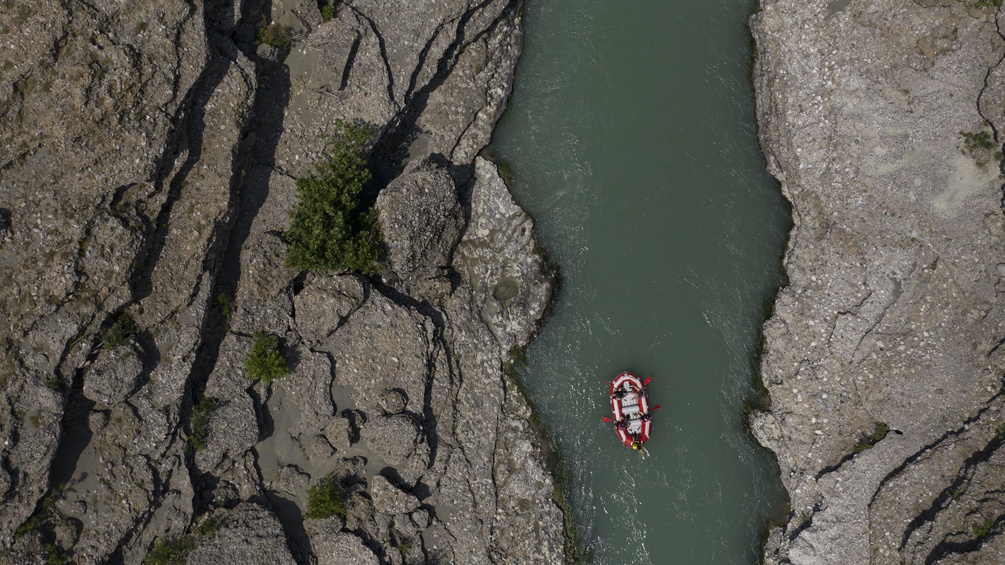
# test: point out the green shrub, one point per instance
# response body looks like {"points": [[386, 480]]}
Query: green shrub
{"points": [[120, 331], [325, 499], [200, 423], [170, 552], [273, 34], [265, 363], [882, 428], [980, 140], [226, 304], [329, 228], [45, 512], [328, 11], [982, 530], [207, 527], [54, 555], [404, 546]]}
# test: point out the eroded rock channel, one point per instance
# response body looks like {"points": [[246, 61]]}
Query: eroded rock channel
{"points": [[146, 177]]}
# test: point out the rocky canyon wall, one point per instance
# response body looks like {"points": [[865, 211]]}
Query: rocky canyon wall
{"points": [[147, 170], [883, 358]]}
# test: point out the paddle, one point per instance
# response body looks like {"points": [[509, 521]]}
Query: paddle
{"points": [[606, 419], [648, 380]]}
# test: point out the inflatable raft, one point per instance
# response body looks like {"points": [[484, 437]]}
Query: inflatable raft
{"points": [[630, 406]]}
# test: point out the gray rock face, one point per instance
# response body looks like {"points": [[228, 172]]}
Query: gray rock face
{"points": [[246, 534], [113, 376], [422, 220], [148, 169], [882, 356], [400, 442]]}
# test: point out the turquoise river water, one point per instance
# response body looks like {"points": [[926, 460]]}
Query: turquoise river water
{"points": [[630, 138]]}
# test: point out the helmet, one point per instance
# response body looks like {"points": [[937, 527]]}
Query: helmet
{"points": [[635, 446]]}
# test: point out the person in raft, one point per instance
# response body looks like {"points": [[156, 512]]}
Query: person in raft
{"points": [[636, 444], [619, 393], [622, 423]]}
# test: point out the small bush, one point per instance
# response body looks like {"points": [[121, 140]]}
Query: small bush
{"points": [[207, 527], [330, 230], [170, 552], [974, 141], [120, 332], [54, 555], [44, 513], [328, 11], [982, 530], [404, 546], [882, 428], [326, 499], [273, 34], [226, 304], [200, 423], [265, 363]]}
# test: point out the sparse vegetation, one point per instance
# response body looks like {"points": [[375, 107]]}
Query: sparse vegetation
{"points": [[875, 437], [172, 551], [175, 550], [328, 11], [120, 332], [981, 146], [265, 362], [273, 34], [226, 304], [987, 3], [975, 141], [46, 510], [54, 555], [326, 499], [200, 423], [330, 230], [982, 530], [207, 527], [404, 546]]}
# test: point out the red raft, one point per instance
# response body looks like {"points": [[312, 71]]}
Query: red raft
{"points": [[630, 405]]}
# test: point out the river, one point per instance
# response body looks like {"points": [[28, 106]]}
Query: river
{"points": [[631, 139]]}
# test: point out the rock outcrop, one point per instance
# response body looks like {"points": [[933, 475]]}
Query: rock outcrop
{"points": [[883, 356], [146, 177]]}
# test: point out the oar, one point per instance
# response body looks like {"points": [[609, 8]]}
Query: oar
{"points": [[648, 380], [657, 407], [606, 419]]}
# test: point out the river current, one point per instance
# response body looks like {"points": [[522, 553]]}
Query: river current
{"points": [[630, 138]]}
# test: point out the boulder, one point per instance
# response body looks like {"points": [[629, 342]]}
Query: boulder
{"points": [[245, 534], [421, 220], [113, 375]]}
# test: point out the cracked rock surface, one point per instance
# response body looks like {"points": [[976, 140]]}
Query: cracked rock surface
{"points": [[147, 171], [883, 357]]}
